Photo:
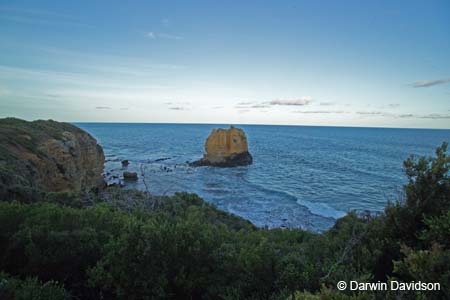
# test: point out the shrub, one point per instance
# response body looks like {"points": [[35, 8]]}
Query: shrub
{"points": [[15, 289], [181, 247]]}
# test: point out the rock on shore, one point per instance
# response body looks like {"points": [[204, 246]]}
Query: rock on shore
{"points": [[47, 156], [225, 148], [130, 176]]}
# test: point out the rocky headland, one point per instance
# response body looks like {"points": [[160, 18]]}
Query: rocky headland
{"points": [[226, 148], [47, 156]]}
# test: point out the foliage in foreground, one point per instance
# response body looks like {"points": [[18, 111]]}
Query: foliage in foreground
{"points": [[30, 288], [184, 248]]}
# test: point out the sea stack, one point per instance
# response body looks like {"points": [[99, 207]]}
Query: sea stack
{"points": [[225, 148]]}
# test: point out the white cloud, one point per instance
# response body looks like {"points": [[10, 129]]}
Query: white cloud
{"points": [[39, 17], [178, 108], [406, 116], [370, 113], [259, 106], [305, 100], [159, 35], [247, 105], [428, 83], [435, 116], [326, 103], [169, 36], [85, 79], [321, 112]]}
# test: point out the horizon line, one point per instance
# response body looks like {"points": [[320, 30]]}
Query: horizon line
{"points": [[256, 124], [229, 124]]}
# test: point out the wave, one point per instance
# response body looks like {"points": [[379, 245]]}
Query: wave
{"points": [[320, 209]]}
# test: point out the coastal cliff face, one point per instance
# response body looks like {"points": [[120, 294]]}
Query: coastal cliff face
{"points": [[226, 148], [47, 156]]}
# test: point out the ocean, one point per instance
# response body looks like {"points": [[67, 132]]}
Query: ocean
{"points": [[301, 176]]}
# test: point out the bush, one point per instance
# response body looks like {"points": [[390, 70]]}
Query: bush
{"points": [[54, 242], [181, 247], [15, 289]]}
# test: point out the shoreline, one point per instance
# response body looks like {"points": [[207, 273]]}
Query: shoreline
{"points": [[309, 220]]}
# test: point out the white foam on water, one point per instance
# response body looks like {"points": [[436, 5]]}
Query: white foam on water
{"points": [[322, 209]]}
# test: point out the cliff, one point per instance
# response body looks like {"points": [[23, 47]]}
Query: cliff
{"points": [[47, 156], [226, 148]]}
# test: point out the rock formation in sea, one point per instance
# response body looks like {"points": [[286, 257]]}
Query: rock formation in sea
{"points": [[225, 148], [130, 176], [47, 156]]}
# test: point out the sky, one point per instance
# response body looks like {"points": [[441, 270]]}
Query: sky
{"points": [[338, 63]]}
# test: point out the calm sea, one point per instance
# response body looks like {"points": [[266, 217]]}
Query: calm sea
{"points": [[302, 176]]}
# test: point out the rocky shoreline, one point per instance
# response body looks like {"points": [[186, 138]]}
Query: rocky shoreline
{"points": [[47, 156], [60, 157]]}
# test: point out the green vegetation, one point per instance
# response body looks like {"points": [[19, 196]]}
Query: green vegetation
{"points": [[30, 288], [123, 244]]}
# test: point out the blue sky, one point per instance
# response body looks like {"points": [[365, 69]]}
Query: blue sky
{"points": [[344, 63]]}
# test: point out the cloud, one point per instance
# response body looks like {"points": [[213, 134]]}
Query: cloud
{"points": [[321, 112], [247, 105], [292, 102], [428, 83], [384, 106], [102, 107], [180, 108], [178, 105], [38, 12], [39, 17], [259, 106], [128, 65], [370, 113], [156, 35], [375, 114], [52, 95], [151, 35], [326, 103], [175, 102], [405, 116], [435, 116], [72, 77], [392, 105], [169, 36]]}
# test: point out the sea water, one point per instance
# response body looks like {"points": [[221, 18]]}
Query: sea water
{"points": [[301, 176]]}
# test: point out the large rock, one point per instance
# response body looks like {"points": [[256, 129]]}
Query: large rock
{"points": [[47, 156], [226, 148], [130, 176]]}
